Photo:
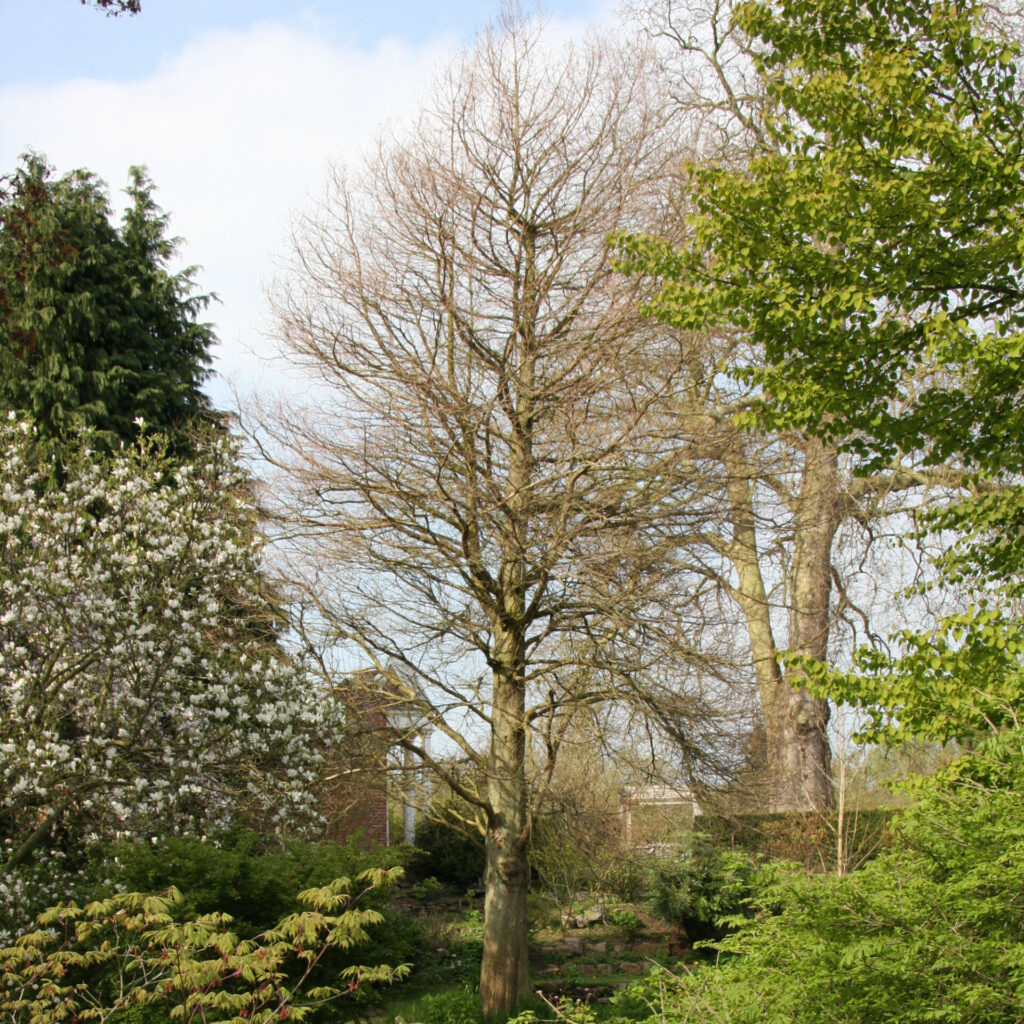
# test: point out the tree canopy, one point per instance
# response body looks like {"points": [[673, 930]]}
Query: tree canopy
{"points": [[141, 687], [95, 330], [895, 127], [112, 8], [484, 507], [873, 253]]}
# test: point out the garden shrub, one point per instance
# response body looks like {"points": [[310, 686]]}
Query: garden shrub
{"points": [[451, 1006], [640, 999], [627, 922], [627, 878], [700, 890], [191, 969], [240, 873], [932, 929], [572, 852], [805, 838], [254, 880], [448, 853], [454, 954]]}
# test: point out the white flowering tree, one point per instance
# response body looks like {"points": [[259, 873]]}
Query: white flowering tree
{"points": [[142, 689]]}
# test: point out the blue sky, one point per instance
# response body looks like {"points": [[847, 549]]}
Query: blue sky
{"points": [[238, 108], [45, 41]]}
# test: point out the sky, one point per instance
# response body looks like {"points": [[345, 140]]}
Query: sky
{"points": [[237, 108]]}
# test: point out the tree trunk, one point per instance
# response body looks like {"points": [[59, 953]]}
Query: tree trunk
{"points": [[799, 757], [802, 775], [504, 971]]}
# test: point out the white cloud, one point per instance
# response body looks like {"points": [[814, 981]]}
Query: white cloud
{"points": [[237, 131]]}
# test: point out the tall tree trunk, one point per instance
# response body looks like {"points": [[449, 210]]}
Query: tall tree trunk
{"points": [[799, 757], [504, 971], [752, 597], [802, 778]]}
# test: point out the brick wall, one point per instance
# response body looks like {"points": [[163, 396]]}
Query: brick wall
{"points": [[354, 793]]}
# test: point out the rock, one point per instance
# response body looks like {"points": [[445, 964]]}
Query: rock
{"points": [[597, 948], [650, 949], [631, 968], [595, 915], [572, 944]]}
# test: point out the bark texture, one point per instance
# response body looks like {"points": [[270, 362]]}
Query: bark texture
{"points": [[799, 756], [780, 502]]}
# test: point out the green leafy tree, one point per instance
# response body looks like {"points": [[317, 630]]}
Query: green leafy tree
{"points": [[873, 253], [795, 513], [873, 250], [95, 331], [930, 930]]}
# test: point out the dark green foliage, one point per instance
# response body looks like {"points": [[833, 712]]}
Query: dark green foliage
{"points": [[455, 963], [627, 922], [700, 890], [459, 1005], [470, 955], [429, 889], [225, 875], [241, 874], [449, 854], [133, 949], [256, 883], [454, 1006], [94, 329], [635, 1002]]}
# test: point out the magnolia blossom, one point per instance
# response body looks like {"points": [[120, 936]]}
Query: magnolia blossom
{"points": [[143, 688]]}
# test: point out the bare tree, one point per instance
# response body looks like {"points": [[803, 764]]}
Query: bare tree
{"points": [[483, 496], [779, 495], [768, 555]]}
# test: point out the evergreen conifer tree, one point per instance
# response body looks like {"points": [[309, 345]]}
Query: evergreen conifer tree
{"points": [[95, 330]]}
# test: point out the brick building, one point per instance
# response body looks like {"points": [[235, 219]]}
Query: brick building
{"points": [[372, 766]]}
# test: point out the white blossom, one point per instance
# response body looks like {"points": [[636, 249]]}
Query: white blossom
{"points": [[139, 692]]}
